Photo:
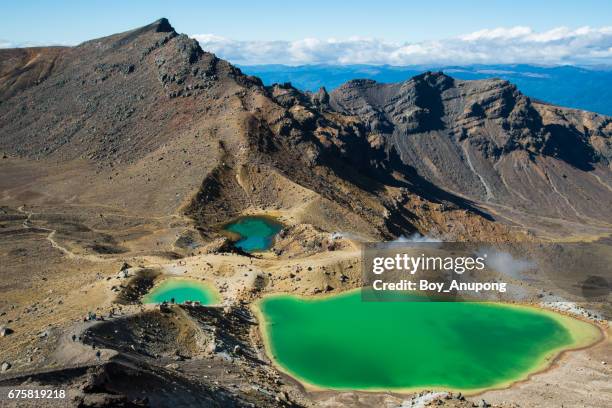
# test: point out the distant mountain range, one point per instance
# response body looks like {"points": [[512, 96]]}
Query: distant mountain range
{"points": [[577, 87]]}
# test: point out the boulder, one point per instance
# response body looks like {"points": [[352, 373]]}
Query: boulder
{"points": [[5, 331]]}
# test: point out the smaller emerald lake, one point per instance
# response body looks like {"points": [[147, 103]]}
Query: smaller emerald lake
{"points": [[255, 233], [180, 291]]}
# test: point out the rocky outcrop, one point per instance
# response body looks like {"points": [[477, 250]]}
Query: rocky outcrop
{"points": [[486, 141]]}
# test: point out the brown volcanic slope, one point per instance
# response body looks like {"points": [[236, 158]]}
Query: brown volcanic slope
{"points": [[147, 122], [21, 68], [151, 115], [534, 163]]}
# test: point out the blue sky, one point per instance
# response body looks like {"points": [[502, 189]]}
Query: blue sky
{"points": [[241, 27]]}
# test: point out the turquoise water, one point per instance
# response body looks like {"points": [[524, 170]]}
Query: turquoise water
{"points": [[255, 233], [180, 291], [342, 342]]}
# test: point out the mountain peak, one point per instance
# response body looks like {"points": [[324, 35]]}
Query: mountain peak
{"points": [[159, 26], [162, 26], [438, 79]]}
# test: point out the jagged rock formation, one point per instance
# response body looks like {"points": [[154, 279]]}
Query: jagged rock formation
{"points": [[485, 141]]}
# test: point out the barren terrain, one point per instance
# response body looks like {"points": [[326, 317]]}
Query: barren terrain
{"points": [[121, 158]]}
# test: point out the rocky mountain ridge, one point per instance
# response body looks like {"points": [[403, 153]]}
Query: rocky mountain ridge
{"points": [[486, 141], [141, 104]]}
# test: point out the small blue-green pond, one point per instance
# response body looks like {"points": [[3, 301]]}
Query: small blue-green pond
{"points": [[180, 291], [255, 233]]}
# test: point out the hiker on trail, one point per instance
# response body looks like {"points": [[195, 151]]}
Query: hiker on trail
{"points": [[74, 337], [98, 354]]}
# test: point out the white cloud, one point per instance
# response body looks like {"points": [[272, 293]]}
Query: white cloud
{"points": [[498, 33], [561, 45], [6, 44], [12, 44]]}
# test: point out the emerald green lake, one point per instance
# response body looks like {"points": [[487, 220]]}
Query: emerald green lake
{"points": [[340, 342], [255, 233], [181, 290]]}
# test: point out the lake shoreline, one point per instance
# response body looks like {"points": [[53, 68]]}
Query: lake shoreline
{"points": [[252, 233], [545, 363], [208, 288]]}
